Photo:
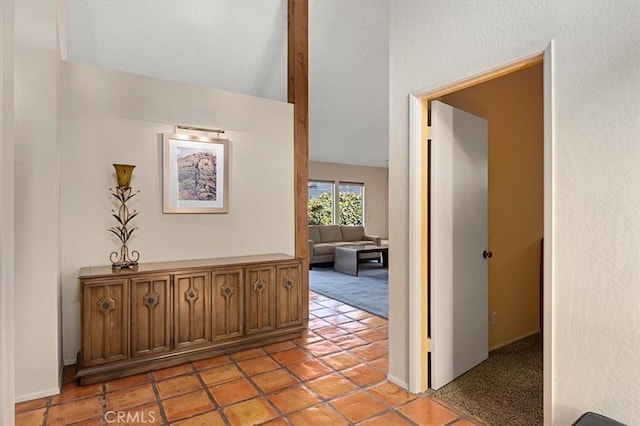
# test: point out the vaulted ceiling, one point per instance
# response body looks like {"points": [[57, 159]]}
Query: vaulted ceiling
{"points": [[241, 46]]}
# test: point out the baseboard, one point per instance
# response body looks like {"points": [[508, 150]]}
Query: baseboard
{"points": [[36, 395], [398, 382], [508, 342]]}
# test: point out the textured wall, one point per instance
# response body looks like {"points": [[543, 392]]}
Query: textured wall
{"points": [[7, 234], [37, 203], [238, 46], [349, 85], [241, 46], [595, 312], [115, 117]]}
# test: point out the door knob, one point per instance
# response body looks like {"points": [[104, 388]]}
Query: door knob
{"points": [[486, 254]]}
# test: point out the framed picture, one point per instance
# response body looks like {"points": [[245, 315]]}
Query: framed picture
{"points": [[195, 174]]}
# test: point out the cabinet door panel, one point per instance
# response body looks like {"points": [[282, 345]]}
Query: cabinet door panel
{"points": [[289, 294], [150, 315], [260, 296], [105, 321], [192, 309], [227, 299]]}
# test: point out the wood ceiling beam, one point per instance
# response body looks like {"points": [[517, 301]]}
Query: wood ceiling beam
{"points": [[298, 94]]}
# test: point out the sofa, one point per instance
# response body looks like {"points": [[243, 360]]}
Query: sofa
{"points": [[323, 240]]}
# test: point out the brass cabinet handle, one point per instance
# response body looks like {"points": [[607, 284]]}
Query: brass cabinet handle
{"points": [[151, 299], [190, 295], [106, 304]]}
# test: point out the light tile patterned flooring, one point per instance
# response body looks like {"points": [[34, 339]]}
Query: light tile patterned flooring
{"points": [[334, 375]]}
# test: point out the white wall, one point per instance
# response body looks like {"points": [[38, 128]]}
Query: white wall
{"points": [[596, 169], [349, 86], [7, 292], [239, 46], [376, 190], [37, 203], [115, 117]]}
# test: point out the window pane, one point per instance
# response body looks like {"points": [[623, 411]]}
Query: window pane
{"points": [[351, 196], [320, 203]]}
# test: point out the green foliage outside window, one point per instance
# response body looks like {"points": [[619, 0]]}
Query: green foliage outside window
{"points": [[350, 208], [320, 209], [350, 204]]}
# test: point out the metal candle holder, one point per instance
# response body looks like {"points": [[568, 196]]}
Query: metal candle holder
{"points": [[123, 193]]}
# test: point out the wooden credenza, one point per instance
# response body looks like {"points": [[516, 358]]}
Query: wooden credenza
{"points": [[169, 313]]}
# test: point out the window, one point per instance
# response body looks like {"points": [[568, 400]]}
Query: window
{"points": [[320, 202], [323, 200], [350, 203]]}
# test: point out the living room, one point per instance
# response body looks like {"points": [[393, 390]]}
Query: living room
{"points": [[343, 196]]}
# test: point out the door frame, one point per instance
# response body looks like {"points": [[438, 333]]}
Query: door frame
{"points": [[418, 216]]}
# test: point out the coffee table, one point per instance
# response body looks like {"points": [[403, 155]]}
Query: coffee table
{"points": [[346, 258]]}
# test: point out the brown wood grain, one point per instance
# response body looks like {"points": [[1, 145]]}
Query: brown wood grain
{"points": [[261, 300], [104, 331], [289, 295], [227, 299], [150, 323], [192, 315], [130, 335], [297, 94]]}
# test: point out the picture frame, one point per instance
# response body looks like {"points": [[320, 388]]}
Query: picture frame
{"points": [[195, 175]]}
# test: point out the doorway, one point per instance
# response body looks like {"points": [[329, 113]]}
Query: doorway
{"points": [[508, 325], [513, 107]]}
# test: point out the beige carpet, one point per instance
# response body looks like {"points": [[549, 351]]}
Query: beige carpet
{"points": [[506, 389]]}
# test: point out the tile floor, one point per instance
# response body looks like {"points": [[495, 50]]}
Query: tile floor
{"points": [[334, 375]]}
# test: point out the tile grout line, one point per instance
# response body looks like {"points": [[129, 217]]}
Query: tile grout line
{"points": [[362, 360], [261, 393], [103, 402], [358, 388], [461, 413], [366, 389], [247, 377], [300, 381], [156, 392], [150, 380], [321, 400], [217, 407], [47, 406]]}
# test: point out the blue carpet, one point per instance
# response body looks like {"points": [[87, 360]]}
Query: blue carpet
{"points": [[368, 291]]}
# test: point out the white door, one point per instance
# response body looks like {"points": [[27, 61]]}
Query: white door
{"points": [[458, 229]]}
